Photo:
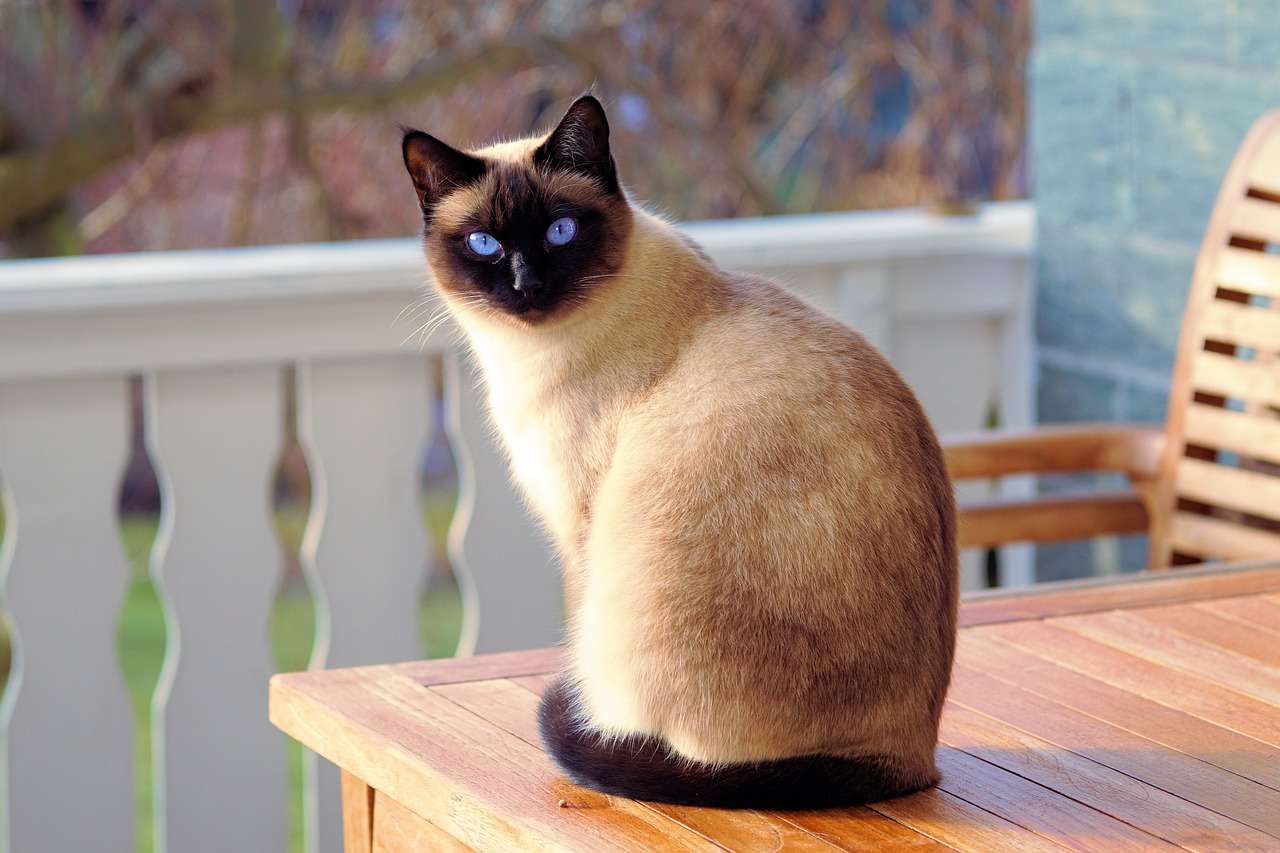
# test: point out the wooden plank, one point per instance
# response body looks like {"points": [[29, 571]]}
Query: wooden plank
{"points": [[504, 563], [1244, 325], [68, 727], [1248, 271], [962, 825], [1170, 727], [214, 436], [1036, 808], [479, 783], [1256, 382], [1186, 692], [1125, 798], [1257, 611], [530, 662], [1178, 651], [1065, 729], [362, 424], [1137, 590], [1256, 218], [1052, 518], [1221, 539], [1197, 620], [398, 830], [513, 707], [357, 815], [1233, 488], [1132, 450], [1246, 434]]}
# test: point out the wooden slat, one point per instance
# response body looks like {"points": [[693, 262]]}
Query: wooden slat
{"points": [[68, 726], [1258, 611], [1220, 539], [1228, 376], [398, 830], [1184, 691], [1132, 450], [220, 768], [1205, 625], [362, 424], [1224, 429], [1045, 812], [1170, 727], [1140, 589], [484, 667], [513, 708], [1178, 651], [357, 815], [1248, 271], [1256, 218], [1123, 797], [1233, 488], [1244, 325], [1053, 518], [470, 778], [1084, 737], [510, 584], [962, 825]]}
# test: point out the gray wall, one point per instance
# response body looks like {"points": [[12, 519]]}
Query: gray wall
{"points": [[1136, 109]]}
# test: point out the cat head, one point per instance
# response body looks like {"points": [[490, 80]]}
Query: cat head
{"points": [[525, 229]]}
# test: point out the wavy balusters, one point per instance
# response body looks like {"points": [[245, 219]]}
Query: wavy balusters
{"points": [[219, 765], [67, 724], [362, 424]]}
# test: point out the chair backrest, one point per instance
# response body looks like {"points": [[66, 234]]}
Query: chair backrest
{"points": [[1218, 492]]}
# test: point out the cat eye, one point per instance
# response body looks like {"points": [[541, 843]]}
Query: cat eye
{"points": [[562, 231], [483, 244]]}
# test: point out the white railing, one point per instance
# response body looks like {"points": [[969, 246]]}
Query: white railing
{"points": [[211, 333]]}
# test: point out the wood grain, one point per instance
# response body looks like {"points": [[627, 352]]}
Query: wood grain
{"points": [[1172, 728], [1123, 797], [357, 815], [1053, 518], [1179, 651], [1198, 696], [396, 829], [1066, 732], [1138, 590], [1204, 624], [1221, 539]]}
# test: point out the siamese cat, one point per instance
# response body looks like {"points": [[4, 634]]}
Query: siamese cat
{"points": [[755, 525]]}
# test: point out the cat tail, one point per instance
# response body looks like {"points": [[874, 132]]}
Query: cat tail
{"points": [[645, 768]]}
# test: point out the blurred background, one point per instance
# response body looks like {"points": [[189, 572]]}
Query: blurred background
{"points": [[129, 125], [152, 125]]}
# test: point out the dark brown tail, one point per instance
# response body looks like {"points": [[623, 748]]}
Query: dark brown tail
{"points": [[645, 768]]}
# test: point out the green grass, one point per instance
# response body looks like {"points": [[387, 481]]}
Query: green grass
{"points": [[140, 640]]}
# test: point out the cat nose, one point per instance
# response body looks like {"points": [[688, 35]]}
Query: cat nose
{"points": [[524, 278]]}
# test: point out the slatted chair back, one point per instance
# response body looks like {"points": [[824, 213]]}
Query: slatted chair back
{"points": [[1218, 491]]}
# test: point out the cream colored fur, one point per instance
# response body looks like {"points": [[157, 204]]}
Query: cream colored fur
{"points": [[750, 508]]}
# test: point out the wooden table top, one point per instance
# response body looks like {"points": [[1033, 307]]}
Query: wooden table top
{"points": [[1143, 713]]}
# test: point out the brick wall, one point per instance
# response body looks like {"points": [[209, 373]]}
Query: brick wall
{"points": [[1136, 109]]}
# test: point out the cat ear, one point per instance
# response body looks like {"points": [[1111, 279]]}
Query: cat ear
{"points": [[436, 168], [580, 143]]}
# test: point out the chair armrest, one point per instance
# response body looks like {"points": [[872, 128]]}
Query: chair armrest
{"points": [[1129, 449]]}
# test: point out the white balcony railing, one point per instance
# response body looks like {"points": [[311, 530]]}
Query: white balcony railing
{"points": [[211, 332]]}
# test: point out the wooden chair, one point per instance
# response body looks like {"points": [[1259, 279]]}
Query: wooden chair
{"points": [[1207, 485]]}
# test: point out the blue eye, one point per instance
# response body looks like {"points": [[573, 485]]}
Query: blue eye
{"points": [[562, 231], [483, 244]]}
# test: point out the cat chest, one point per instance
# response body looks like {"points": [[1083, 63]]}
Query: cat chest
{"points": [[549, 460]]}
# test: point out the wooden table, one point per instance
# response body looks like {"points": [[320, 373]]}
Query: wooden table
{"points": [[1143, 713]]}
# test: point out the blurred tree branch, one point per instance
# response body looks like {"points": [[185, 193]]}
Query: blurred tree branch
{"points": [[35, 178]]}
